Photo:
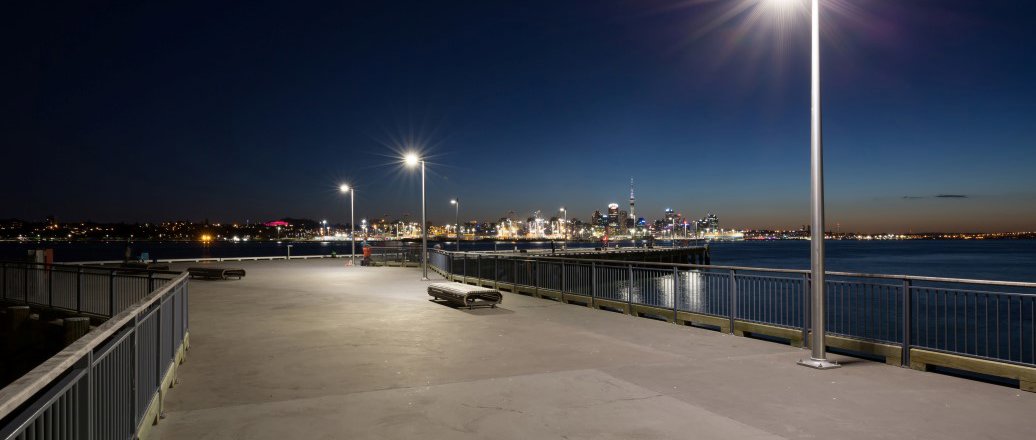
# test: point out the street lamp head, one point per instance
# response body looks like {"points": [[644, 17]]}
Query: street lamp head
{"points": [[562, 209], [411, 159], [344, 188], [453, 202]]}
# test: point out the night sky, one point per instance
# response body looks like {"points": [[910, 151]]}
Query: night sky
{"points": [[145, 111]]}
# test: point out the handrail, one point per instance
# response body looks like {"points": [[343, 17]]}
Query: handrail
{"points": [[204, 259], [885, 315], [21, 390], [74, 267], [1023, 284]]}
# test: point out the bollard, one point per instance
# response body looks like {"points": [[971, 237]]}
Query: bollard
{"points": [[74, 328]]}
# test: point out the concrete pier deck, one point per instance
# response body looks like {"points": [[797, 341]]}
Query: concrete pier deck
{"points": [[314, 349]]}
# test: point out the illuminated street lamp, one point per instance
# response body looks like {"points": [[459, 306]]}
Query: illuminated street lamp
{"points": [[456, 220], [412, 160], [324, 228], [818, 355], [352, 217], [564, 226]]}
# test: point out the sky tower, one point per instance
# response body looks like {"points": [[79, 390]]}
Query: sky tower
{"points": [[633, 213]]}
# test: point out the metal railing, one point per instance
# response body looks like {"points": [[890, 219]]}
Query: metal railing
{"points": [[402, 254], [211, 259], [86, 290], [991, 320], [103, 385]]}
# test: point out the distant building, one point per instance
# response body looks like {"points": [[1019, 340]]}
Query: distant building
{"points": [[614, 217], [709, 223]]}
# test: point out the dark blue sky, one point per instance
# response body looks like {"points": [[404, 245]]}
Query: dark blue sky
{"points": [[257, 110]]}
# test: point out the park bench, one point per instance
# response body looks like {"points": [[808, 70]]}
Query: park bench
{"points": [[464, 295], [215, 272]]}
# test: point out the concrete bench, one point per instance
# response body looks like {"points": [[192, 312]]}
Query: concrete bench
{"points": [[215, 273], [464, 295]]}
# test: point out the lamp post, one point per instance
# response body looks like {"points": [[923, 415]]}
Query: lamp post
{"points": [[324, 228], [412, 160], [818, 355], [456, 220], [352, 217], [564, 227]]}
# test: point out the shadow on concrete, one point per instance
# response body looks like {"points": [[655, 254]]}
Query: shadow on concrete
{"points": [[486, 311], [478, 310]]}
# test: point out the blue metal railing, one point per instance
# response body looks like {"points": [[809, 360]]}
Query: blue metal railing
{"points": [[992, 320]]}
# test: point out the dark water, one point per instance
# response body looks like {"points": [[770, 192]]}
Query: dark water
{"points": [[1013, 260]]}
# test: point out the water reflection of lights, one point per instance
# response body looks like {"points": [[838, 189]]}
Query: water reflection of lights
{"points": [[656, 288]]}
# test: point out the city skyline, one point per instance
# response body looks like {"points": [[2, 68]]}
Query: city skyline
{"points": [[929, 107]]}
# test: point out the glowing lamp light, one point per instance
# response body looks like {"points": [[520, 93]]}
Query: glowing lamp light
{"points": [[344, 188], [411, 159]]}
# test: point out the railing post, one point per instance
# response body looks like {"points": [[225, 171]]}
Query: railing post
{"points": [[86, 401], [158, 340], [535, 278], [111, 293], [150, 282], [465, 268], [25, 287], [136, 371], [79, 289], [907, 324], [496, 272], [50, 287], [676, 292], [593, 282], [478, 269], [805, 310], [562, 281], [629, 290], [733, 299]]}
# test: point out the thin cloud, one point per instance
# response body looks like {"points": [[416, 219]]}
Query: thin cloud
{"points": [[938, 196]]}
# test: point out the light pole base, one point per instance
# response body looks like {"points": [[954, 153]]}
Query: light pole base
{"points": [[819, 364]]}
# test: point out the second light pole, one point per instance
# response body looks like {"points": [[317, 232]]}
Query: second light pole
{"points": [[352, 218], [456, 220], [564, 226], [412, 160]]}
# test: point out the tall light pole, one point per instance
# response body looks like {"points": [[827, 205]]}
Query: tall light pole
{"points": [[324, 231], [352, 217], [564, 228], [456, 220], [412, 160], [818, 355]]}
